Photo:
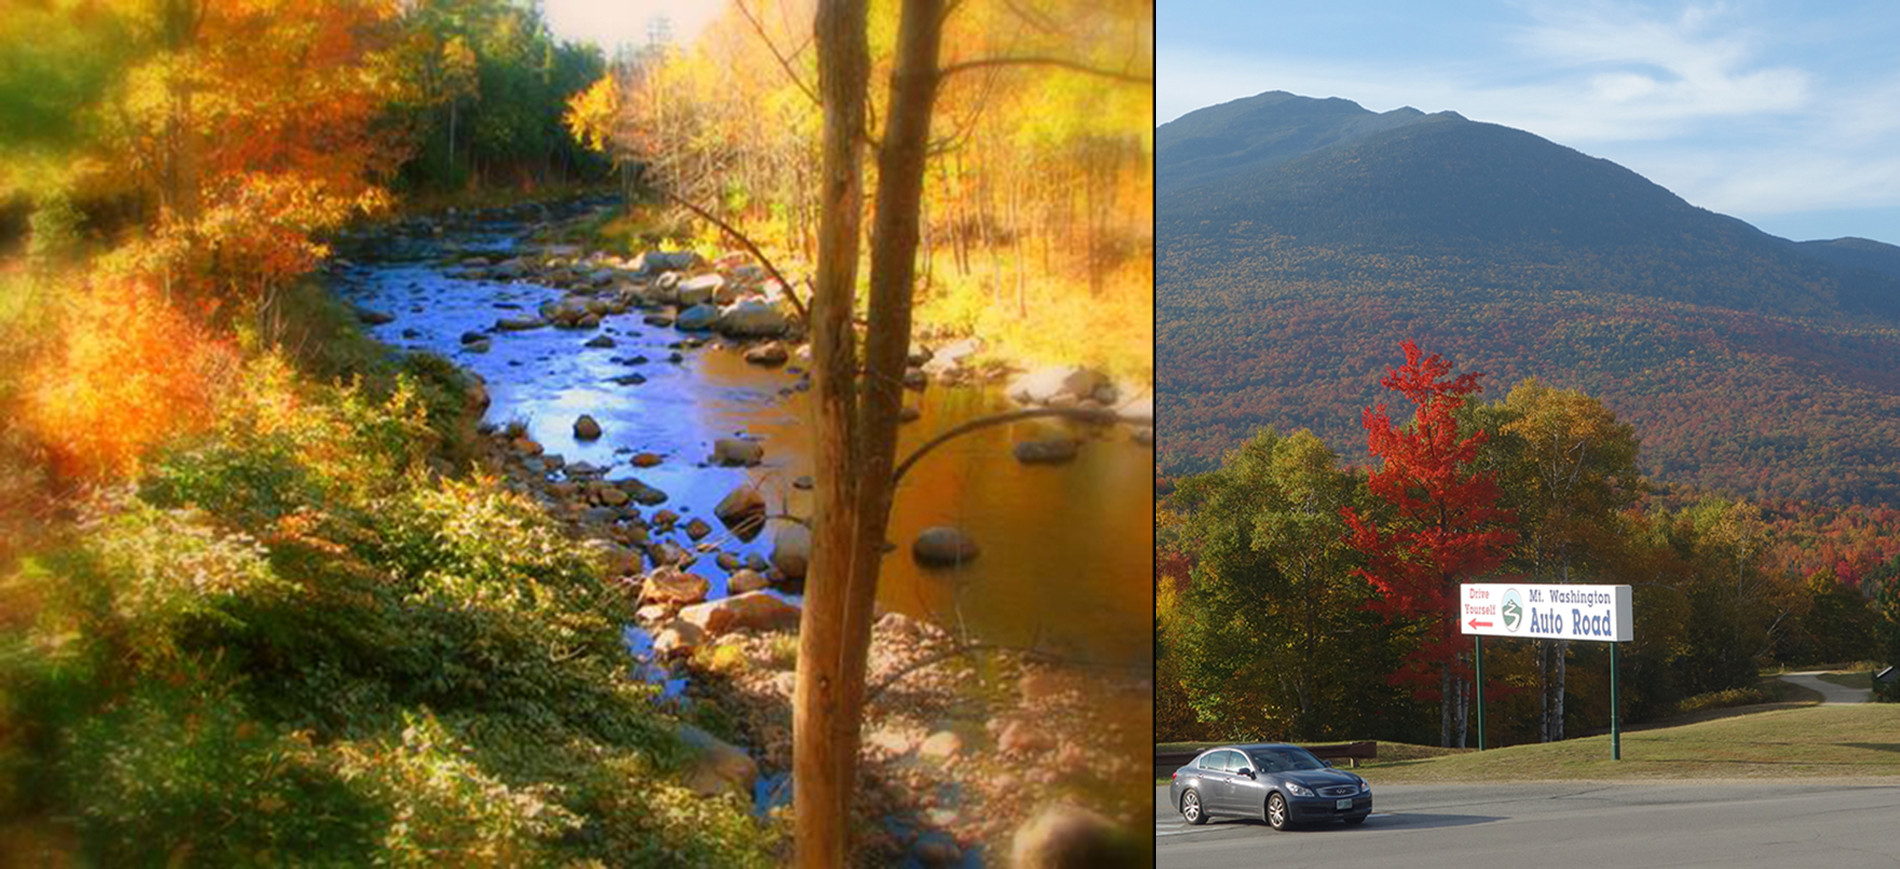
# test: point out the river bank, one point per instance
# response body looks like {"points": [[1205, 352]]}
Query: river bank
{"points": [[652, 406]]}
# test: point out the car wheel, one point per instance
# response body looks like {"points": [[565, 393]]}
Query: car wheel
{"points": [[1354, 822], [1191, 808], [1276, 812]]}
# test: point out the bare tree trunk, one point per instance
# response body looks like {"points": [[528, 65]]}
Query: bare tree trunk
{"points": [[856, 454], [1444, 705], [824, 723]]}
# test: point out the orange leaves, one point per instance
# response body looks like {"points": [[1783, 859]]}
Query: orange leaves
{"points": [[252, 128], [129, 371]]}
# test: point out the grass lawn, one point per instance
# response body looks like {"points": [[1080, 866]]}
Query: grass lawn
{"points": [[1804, 742], [1864, 680]]}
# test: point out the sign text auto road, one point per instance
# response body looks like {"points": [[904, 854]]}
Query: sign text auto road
{"points": [[1546, 612]]}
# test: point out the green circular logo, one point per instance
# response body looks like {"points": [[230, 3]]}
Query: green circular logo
{"points": [[1512, 610]]}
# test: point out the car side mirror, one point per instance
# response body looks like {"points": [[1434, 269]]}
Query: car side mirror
{"points": [[1247, 772], [1326, 763]]}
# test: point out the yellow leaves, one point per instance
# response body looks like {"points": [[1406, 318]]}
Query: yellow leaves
{"points": [[592, 113]]}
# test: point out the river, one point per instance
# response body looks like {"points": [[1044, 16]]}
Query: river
{"points": [[1066, 550]]}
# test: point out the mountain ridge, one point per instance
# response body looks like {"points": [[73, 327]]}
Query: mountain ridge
{"points": [[1749, 362]]}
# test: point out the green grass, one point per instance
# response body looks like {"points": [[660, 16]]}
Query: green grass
{"points": [[1864, 680], [1804, 742]]}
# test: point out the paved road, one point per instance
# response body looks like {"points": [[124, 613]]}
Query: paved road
{"points": [[1769, 824], [1830, 692]]}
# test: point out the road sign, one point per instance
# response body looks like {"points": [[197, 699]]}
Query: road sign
{"points": [[1546, 612]]}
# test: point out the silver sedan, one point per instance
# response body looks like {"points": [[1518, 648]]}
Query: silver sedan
{"points": [[1285, 785]]}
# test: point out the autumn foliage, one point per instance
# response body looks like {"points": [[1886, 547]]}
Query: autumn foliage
{"points": [[1445, 526], [129, 369]]}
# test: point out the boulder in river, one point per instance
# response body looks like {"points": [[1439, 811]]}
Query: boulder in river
{"points": [[717, 767], [752, 319], [642, 492], [771, 353], [744, 579], [1140, 411], [1062, 835], [677, 637], [1056, 385], [952, 356], [373, 318], [601, 341], [742, 504], [586, 428], [1049, 451], [519, 324], [656, 261], [791, 550], [698, 290], [751, 611], [943, 546], [698, 318], [670, 585], [737, 451]]}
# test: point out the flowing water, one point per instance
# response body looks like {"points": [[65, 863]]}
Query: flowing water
{"points": [[1065, 550]]}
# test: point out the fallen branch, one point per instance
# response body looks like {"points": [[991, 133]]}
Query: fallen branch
{"points": [[1101, 417]]}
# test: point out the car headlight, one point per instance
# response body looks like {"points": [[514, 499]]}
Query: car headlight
{"points": [[1365, 787], [1298, 790]]}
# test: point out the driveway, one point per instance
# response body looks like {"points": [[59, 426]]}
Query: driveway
{"points": [[1830, 692]]}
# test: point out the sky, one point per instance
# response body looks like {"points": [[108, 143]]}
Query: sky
{"points": [[1786, 115], [610, 23]]}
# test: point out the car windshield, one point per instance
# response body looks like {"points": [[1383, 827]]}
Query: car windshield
{"points": [[1283, 759]]}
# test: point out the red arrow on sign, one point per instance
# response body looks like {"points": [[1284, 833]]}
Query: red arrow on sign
{"points": [[1478, 624]]}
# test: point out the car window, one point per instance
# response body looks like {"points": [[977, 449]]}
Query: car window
{"points": [[1284, 759], [1235, 761], [1210, 761]]}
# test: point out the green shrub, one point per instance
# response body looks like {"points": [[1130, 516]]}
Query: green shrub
{"points": [[446, 809], [179, 774]]}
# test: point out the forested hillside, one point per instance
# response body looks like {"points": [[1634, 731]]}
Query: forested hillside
{"points": [[1751, 364], [1325, 586]]}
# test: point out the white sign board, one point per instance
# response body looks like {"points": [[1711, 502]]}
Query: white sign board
{"points": [[1546, 612]]}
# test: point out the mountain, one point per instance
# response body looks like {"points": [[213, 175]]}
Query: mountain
{"points": [[1299, 240], [1856, 253], [1260, 131]]}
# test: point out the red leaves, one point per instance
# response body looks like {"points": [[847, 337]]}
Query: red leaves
{"points": [[1444, 525]]}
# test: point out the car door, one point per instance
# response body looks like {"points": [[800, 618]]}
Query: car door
{"points": [[1226, 762], [1208, 769], [1248, 794]]}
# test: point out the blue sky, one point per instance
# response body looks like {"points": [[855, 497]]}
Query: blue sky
{"points": [[1786, 115]]}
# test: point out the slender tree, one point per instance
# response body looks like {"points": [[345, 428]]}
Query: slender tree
{"points": [[1444, 525], [1568, 469]]}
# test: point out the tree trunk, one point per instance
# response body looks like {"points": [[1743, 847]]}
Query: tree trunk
{"points": [[856, 453], [448, 170], [824, 727], [1444, 705]]}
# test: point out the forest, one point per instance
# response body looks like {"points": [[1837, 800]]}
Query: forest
{"points": [[1302, 597], [292, 567]]}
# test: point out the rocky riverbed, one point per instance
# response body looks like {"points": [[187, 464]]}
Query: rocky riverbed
{"points": [[654, 403]]}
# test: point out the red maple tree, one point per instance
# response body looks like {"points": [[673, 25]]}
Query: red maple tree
{"points": [[1444, 527]]}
